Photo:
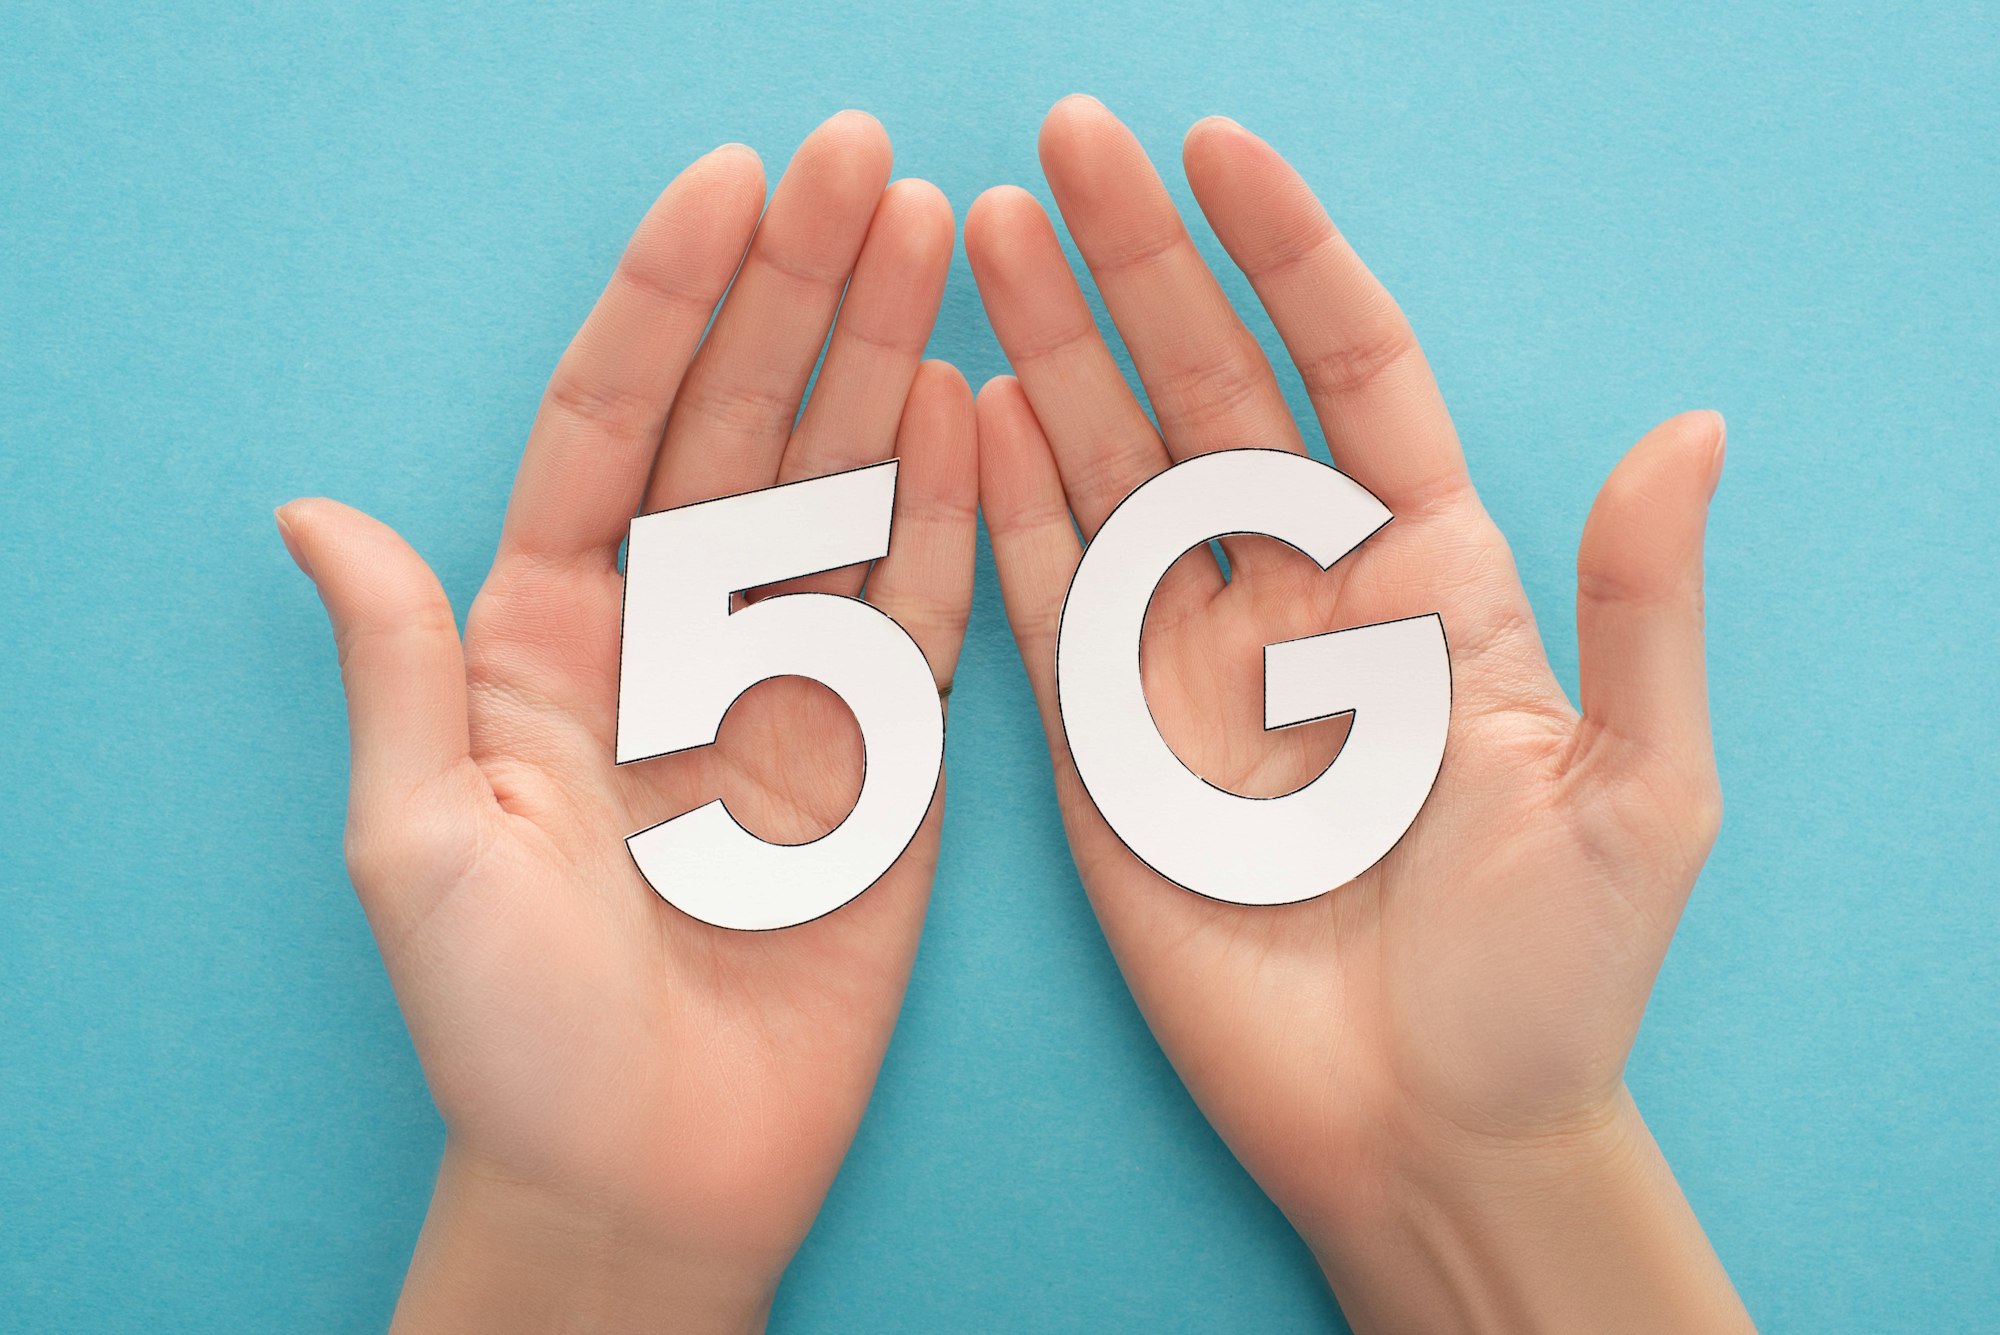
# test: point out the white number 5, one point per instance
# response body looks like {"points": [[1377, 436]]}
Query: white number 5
{"points": [[685, 658]]}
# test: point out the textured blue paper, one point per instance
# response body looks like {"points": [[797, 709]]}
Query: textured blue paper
{"points": [[251, 253]]}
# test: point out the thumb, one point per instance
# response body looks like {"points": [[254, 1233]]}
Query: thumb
{"points": [[1639, 599], [404, 674]]}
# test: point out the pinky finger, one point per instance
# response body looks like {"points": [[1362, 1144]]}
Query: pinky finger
{"points": [[1035, 545], [925, 582]]}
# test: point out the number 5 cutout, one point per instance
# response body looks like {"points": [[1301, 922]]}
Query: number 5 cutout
{"points": [[1394, 677], [685, 658]]}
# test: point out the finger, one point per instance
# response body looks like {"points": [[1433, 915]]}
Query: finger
{"points": [[1370, 386], [1035, 547], [925, 582], [406, 709], [1207, 379], [859, 398], [730, 423], [1035, 552], [1205, 375], [599, 426], [1103, 445], [1639, 597]]}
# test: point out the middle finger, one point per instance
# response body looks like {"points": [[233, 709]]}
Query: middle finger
{"points": [[730, 422], [1207, 378], [1102, 442]]}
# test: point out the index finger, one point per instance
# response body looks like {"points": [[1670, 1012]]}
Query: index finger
{"points": [[1370, 386], [592, 445]]}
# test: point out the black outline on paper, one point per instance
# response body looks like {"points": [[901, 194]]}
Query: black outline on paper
{"points": [[1063, 721], [894, 493]]}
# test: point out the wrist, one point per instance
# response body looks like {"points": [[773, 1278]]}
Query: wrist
{"points": [[1579, 1227], [498, 1254]]}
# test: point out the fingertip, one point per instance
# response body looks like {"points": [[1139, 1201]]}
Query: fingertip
{"points": [[336, 539], [992, 394], [854, 132], [1073, 108], [854, 122], [926, 218], [1012, 445], [1211, 129], [1223, 159], [1704, 424], [704, 216], [1715, 433], [315, 511], [289, 536], [920, 195], [842, 167], [1690, 445], [303, 521], [1645, 532], [1080, 140], [732, 168], [1213, 142], [735, 151], [939, 433], [940, 405], [940, 377], [997, 219]]}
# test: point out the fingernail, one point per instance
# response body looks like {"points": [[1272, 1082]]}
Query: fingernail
{"points": [[291, 542], [1717, 449], [735, 148]]}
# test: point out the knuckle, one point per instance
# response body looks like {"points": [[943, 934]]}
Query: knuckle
{"points": [[654, 276], [1143, 250], [379, 853], [1683, 802], [397, 839], [1357, 364], [1206, 394], [1108, 474], [1037, 627], [1705, 808], [818, 264], [1054, 341], [1288, 248], [597, 404], [739, 408]]}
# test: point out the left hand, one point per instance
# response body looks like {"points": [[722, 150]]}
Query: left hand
{"points": [[1398, 1061]]}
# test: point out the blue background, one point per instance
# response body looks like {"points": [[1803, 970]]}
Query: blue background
{"points": [[254, 252]]}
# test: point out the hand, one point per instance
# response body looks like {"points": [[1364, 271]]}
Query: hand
{"points": [[644, 1112], [1424, 1067]]}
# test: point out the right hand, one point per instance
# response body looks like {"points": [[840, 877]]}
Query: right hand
{"points": [[644, 1112]]}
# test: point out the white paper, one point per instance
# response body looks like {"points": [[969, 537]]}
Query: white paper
{"points": [[1394, 677], [685, 658]]}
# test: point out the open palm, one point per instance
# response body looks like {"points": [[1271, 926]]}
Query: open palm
{"points": [[697, 1085], [1484, 981]]}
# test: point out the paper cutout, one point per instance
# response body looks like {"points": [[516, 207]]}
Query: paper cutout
{"points": [[685, 658], [1394, 677]]}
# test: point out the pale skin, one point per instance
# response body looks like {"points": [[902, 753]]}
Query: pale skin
{"points": [[1423, 1068], [644, 1112]]}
